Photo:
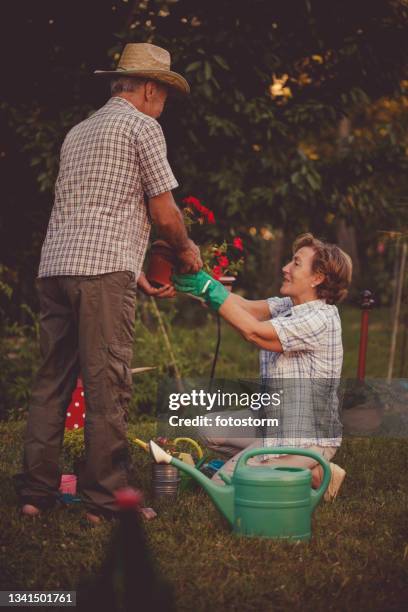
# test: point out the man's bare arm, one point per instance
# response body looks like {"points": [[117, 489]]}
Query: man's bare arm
{"points": [[168, 219], [262, 334]]}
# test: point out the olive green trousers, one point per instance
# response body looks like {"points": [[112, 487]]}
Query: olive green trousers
{"points": [[87, 328]]}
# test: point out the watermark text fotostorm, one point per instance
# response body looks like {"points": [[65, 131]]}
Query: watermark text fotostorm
{"points": [[221, 399]]}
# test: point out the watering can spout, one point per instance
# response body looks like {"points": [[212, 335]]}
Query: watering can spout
{"points": [[222, 497], [158, 454]]}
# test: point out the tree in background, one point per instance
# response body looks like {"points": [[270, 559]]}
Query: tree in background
{"points": [[297, 118]]}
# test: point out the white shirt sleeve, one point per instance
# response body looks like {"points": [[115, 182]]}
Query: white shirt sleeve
{"points": [[278, 305]]}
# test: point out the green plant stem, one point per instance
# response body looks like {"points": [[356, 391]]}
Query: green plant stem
{"points": [[168, 345]]}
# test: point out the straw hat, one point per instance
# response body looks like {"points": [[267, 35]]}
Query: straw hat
{"points": [[148, 61]]}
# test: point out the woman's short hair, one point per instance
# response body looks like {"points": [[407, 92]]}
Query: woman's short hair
{"points": [[333, 263]]}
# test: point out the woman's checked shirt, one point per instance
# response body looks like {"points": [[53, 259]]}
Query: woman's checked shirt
{"points": [[308, 371]]}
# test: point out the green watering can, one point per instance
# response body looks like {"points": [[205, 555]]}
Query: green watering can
{"points": [[266, 501]]}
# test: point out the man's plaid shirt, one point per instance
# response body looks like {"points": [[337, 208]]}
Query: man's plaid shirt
{"points": [[308, 371], [109, 163]]}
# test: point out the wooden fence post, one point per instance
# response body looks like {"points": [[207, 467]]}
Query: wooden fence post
{"points": [[366, 304]]}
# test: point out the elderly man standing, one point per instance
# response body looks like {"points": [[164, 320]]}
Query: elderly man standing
{"points": [[114, 179]]}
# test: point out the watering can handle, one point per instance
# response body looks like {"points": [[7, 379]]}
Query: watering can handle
{"points": [[316, 495], [192, 443]]}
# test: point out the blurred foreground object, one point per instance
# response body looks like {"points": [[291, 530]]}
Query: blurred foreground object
{"points": [[128, 579]]}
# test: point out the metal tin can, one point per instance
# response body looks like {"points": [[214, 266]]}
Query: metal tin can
{"points": [[165, 480]]}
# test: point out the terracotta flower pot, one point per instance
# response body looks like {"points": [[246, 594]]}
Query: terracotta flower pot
{"points": [[227, 281], [162, 264]]}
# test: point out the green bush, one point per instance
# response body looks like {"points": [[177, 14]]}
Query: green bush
{"points": [[191, 354], [192, 334], [19, 355]]}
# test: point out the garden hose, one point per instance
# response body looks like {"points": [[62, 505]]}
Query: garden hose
{"points": [[217, 348]]}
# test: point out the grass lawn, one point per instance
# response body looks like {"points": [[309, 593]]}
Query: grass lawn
{"points": [[358, 557]]}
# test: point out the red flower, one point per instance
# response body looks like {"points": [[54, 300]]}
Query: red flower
{"points": [[204, 210], [195, 203], [192, 200], [223, 261], [237, 242], [216, 272]]}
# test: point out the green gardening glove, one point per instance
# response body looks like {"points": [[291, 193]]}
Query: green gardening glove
{"points": [[202, 285]]}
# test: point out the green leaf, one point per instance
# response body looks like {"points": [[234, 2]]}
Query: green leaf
{"points": [[221, 62], [207, 70], [193, 66]]}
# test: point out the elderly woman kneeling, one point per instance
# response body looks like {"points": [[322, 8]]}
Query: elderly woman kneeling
{"points": [[299, 335]]}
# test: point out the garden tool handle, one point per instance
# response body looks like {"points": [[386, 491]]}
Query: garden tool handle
{"points": [[315, 495], [140, 443], [193, 443], [201, 462]]}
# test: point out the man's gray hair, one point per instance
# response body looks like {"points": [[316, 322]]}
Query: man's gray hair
{"points": [[120, 84]]}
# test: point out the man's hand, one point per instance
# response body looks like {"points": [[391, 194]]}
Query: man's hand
{"points": [[168, 219], [190, 259], [167, 291]]}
